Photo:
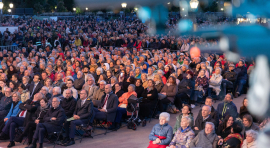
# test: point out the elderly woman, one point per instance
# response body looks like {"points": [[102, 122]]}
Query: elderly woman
{"points": [[161, 73], [138, 72], [248, 124], [45, 91], [186, 112], [158, 82], [24, 93], [250, 142], [206, 138], [169, 91], [14, 110], [150, 96], [215, 82], [123, 101], [162, 133], [184, 135]]}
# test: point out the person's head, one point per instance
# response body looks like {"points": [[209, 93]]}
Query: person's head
{"points": [[43, 102], [48, 82], [38, 96], [108, 88], [206, 110], [83, 94], [245, 102], [236, 128], [228, 98], [202, 73], [90, 80], [12, 85], [44, 90], [16, 97], [209, 128], [228, 121], [8, 92], [102, 84], [131, 88], [164, 117], [56, 91], [186, 109], [231, 67], [36, 78], [151, 83], [69, 83], [14, 77], [150, 70], [138, 82], [251, 135], [240, 63], [79, 74], [247, 120], [185, 121], [69, 93], [209, 101], [55, 102], [217, 70], [172, 80]]}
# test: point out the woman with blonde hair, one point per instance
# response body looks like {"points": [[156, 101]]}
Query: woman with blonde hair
{"points": [[144, 80]]}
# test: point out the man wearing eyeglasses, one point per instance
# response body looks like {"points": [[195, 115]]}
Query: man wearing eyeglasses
{"points": [[82, 115], [5, 103], [90, 87]]}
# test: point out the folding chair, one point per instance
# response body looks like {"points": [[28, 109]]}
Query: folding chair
{"points": [[96, 123], [58, 134], [83, 127]]}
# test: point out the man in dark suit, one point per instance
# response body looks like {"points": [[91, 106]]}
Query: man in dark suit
{"points": [[35, 86], [82, 114], [53, 121], [28, 109], [108, 106], [201, 120], [5, 103]]}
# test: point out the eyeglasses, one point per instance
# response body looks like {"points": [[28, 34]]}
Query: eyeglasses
{"points": [[82, 93]]}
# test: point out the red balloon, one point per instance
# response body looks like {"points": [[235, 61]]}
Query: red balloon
{"points": [[195, 52]]}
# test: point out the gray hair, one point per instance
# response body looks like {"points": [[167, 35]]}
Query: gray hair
{"points": [[70, 91], [57, 89], [187, 118], [47, 89], [103, 82], [166, 115], [213, 125], [209, 108], [57, 99], [160, 72], [18, 95], [90, 76], [133, 86], [100, 69], [252, 133]]}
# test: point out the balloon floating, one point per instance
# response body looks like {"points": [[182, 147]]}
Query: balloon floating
{"points": [[195, 52]]}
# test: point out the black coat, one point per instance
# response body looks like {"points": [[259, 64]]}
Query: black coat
{"points": [[139, 90], [230, 76], [150, 99], [200, 123], [31, 108], [78, 83], [85, 111], [69, 104], [37, 89], [223, 132], [54, 125], [182, 86], [213, 114], [112, 105], [39, 114]]}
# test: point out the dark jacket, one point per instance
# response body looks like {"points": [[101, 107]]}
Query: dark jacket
{"points": [[228, 109], [182, 86], [69, 104], [54, 125], [5, 105], [170, 91], [242, 72], [39, 114], [230, 76], [200, 123], [213, 114], [139, 90], [37, 89], [223, 132], [85, 111], [112, 105], [150, 99], [162, 130], [78, 83], [31, 108]]}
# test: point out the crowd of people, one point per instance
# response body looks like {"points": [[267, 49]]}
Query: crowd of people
{"points": [[67, 73]]}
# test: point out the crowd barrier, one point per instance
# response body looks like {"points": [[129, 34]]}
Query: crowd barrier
{"points": [[10, 47]]}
